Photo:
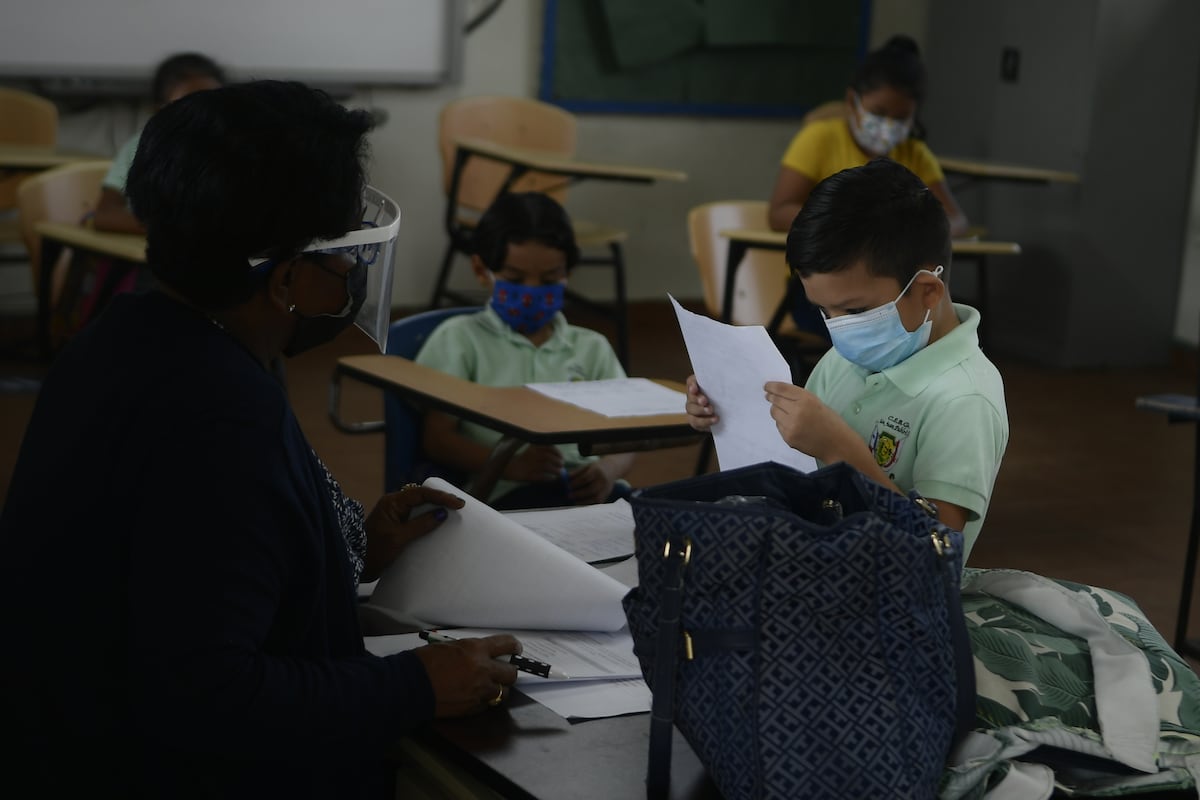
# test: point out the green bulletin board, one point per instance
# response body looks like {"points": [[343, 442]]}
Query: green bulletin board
{"points": [[715, 57]]}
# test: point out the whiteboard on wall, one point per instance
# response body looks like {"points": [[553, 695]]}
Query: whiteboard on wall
{"points": [[346, 42]]}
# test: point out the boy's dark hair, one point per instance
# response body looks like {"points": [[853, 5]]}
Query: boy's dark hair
{"points": [[519, 218], [255, 169], [180, 67], [897, 64], [880, 214]]}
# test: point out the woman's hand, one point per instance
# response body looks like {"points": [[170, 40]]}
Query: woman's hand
{"points": [[699, 410], [465, 676], [391, 527]]}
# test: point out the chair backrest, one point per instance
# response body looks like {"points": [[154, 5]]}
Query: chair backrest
{"points": [[403, 459], [63, 194], [509, 121], [762, 277], [826, 110], [25, 119]]}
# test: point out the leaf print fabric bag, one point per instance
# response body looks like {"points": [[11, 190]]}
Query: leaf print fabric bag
{"points": [[803, 631], [1078, 695]]}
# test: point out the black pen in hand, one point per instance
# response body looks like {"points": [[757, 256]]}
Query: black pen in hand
{"points": [[523, 664]]}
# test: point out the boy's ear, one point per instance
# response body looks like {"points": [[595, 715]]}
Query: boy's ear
{"points": [[931, 288], [482, 273]]}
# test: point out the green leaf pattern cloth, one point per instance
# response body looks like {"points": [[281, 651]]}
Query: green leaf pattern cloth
{"points": [[1077, 693]]}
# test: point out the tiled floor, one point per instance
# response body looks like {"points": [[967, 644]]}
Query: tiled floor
{"points": [[1091, 489]]}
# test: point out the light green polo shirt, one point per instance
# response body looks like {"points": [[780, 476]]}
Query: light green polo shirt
{"points": [[482, 349], [118, 171], [936, 422]]}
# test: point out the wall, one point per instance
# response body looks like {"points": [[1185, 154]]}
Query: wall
{"points": [[1098, 283], [724, 158], [1187, 317]]}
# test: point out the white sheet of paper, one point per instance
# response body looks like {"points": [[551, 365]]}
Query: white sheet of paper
{"points": [[732, 363], [598, 532], [480, 568], [591, 699], [618, 397]]}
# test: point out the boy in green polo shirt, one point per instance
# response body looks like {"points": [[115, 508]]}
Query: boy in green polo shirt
{"points": [[905, 375], [522, 250]]}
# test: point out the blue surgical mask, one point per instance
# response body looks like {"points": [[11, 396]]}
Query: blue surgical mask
{"points": [[877, 339], [526, 309], [876, 133]]}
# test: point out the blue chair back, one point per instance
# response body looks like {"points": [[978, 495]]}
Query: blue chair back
{"points": [[403, 458]]}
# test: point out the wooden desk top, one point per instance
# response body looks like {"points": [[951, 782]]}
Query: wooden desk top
{"points": [[984, 168], [777, 240], [516, 410], [556, 164], [126, 246], [14, 156]]}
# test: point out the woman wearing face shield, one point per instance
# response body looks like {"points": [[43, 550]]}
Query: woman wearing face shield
{"points": [[201, 638]]}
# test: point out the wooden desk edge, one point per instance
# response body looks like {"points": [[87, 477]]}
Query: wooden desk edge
{"points": [[984, 169], [648, 430], [552, 162], [127, 246]]}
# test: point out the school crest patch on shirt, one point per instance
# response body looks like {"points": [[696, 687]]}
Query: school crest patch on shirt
{"points": [[886, 440]]}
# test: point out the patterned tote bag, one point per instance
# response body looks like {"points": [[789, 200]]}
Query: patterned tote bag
{"points": [[803, 632]]}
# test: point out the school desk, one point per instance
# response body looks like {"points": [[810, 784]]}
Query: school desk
{"points": [[127, 248], [522, 749], [22, 158], [986, 169], [521, 161], [520, 414], [743, 239]]}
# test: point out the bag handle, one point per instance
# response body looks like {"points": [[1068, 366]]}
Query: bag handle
{"points": [[678, 552]]}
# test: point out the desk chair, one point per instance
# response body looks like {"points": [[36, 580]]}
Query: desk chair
{"points": [[64, 194], [471, 184], [403, 458], [25, 119]]}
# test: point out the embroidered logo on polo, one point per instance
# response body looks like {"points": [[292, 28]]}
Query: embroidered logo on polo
{"points": [[888, 439]]}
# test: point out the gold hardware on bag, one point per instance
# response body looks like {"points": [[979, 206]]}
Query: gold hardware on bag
{"points": [[687, 550], [926, 506], [687, 646], [941, 542], [828, 504]]}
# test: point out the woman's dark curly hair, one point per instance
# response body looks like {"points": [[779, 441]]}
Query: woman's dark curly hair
{"points": [[253, 169]]}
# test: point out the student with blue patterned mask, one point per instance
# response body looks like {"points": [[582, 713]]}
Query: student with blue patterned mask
{"points": [[522, 251]]}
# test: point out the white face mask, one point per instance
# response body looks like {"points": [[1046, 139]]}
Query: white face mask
{"points": [[877, 339], [876, 133]]}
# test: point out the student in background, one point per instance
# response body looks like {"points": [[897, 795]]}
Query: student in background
{"points": [[881, 118], [176, 77], [201, 635], [905, 395], [523, 249]]}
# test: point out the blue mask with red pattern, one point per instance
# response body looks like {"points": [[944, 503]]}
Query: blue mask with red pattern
{"points": [[527, 309]]}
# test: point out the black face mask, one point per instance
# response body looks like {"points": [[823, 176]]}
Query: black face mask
{"points": [[317, 330]]}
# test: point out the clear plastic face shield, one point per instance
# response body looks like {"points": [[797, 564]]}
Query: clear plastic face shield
{"points": [[371, 249]]}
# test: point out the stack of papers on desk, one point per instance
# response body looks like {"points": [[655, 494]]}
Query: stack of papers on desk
{"points": [[618, 397], [482, 569], [604, 679]]}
